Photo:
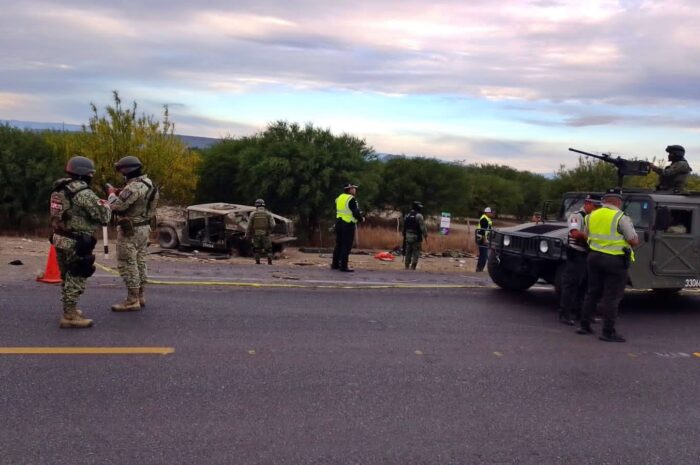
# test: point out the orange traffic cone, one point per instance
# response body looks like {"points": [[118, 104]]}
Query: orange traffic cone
{"points": [[52, 274]]}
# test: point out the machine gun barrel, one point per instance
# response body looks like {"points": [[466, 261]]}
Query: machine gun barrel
{"points": [[605, 157], [624, 167]]}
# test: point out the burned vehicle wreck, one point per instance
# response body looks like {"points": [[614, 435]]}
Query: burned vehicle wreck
{"points": [[219, 227]]}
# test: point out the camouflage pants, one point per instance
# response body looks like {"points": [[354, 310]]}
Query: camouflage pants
{"points": [[73, 286], [131, 256], [413, 249], [262, 243]]}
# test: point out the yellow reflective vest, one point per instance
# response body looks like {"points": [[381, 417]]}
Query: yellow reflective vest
{"points": [[603, 235], [481, 235], [342, 207]]}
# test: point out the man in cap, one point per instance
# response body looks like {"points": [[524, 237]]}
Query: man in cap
{"points": [[675, 176], [134, 205], [348, 214], [76, 212], [414, 231], [610, 235], [260, 226], [482, 237], [573, 279]]}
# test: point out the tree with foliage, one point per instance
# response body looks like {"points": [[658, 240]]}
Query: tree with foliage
{"points": [[297, 170], [28, 168], [122, 131]]}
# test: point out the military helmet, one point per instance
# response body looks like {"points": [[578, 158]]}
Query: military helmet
{"points": [[80, 166], [128, 164], [259, 203], [417, 205], [676, 149]]}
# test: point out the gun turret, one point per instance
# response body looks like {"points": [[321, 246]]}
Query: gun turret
{"points": [[624, 167]]}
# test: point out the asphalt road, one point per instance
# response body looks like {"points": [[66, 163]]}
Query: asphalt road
{"points": [[309, 375]]}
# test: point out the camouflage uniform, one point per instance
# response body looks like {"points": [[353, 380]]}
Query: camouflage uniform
{"points": [[260, 226], [414, 233], [83, 218], [131, 207], [674, 177]]}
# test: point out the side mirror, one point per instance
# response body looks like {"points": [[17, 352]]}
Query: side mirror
{"points": [[663, 219]]}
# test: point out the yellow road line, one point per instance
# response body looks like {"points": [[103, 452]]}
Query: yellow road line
{"points": [[86, 350]]}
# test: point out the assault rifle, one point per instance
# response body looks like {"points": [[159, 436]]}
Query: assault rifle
{"points": [[624, 167]]}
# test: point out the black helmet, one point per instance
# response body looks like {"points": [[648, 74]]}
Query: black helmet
{"points": [[678, 149], [260, 203], [80, 166], [128, 164], [417, 206]]}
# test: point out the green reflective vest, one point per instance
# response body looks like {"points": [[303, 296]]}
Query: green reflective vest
{"points": [[603, 235], [342, 207]]}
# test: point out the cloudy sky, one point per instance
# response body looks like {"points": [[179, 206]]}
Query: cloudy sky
{"points": [[504, 81]]}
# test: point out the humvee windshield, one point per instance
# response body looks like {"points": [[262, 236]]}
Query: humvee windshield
{"points": [[638, 209]]}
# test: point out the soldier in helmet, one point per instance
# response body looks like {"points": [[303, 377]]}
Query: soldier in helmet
{"points": [[675, 176], [134, 206], [414, 231], [76, 212], [260, 226]]}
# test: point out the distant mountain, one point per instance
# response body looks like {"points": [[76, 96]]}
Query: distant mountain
{"points": [[193, 142]]}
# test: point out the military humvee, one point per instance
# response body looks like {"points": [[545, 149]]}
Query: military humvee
{"points": [[220, 227], [667, 258]]}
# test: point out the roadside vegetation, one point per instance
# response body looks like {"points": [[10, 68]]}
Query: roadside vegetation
{"points": [[298, 170]]}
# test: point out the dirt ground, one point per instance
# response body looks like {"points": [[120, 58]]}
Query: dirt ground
{"points": [[32, 252]]}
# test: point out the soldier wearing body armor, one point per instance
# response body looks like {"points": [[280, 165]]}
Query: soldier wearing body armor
{"points": [[134, 206], [260, 226], [573, 279], [675, 176], [76, 212], [414, 231]]}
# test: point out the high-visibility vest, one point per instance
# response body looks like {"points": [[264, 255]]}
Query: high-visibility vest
{"points": [[603, 236], [484, 235], [342, 207]]}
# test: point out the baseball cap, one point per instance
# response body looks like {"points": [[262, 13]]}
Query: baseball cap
{"points": [[350, 186], [613, 192], [488, 210], [595, 199]]}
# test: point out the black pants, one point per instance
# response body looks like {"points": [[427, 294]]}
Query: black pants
{"points": [[344, 237], [607, 278], [483, 257], [573, 284]]}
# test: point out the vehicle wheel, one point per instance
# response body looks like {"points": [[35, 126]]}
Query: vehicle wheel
{"points": [[506, 279], [240, 248], [167, 237]]}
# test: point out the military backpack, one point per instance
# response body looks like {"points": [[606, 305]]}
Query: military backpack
{"points": [[61, 202]]}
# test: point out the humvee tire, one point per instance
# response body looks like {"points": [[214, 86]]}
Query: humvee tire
{"points": [[507, 279], [167, 238]]}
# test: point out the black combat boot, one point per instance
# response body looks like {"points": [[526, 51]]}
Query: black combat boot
{"points": [[269, 260], [585, 328], [610, 335]]}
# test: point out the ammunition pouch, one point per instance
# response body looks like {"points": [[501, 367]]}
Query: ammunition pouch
{"points": [[84, 245], [126, 226], [83, 266]]}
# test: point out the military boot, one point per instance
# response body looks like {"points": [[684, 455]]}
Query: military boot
{"points": [[269, 260], [142, 299], [73, 318], [610, 335], [414, 265], [585, 328], [131, 304], [257, 259]]}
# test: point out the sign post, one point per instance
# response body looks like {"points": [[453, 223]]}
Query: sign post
{"points": [[445, 223]]}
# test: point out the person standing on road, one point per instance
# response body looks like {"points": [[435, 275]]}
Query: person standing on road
{"points": [[573, 279], [414, 231], [260, 226], [76, 212], [133, 205], [348, 214], [610, 235], [675, 176], [482, 237]]}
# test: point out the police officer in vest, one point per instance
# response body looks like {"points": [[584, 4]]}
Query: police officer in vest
{"points": [[414, 231], [76, 212], [573, 279], [675, 176], [260, 226], [482, 237], [133, 205], [348, 214], [611, 236]]}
